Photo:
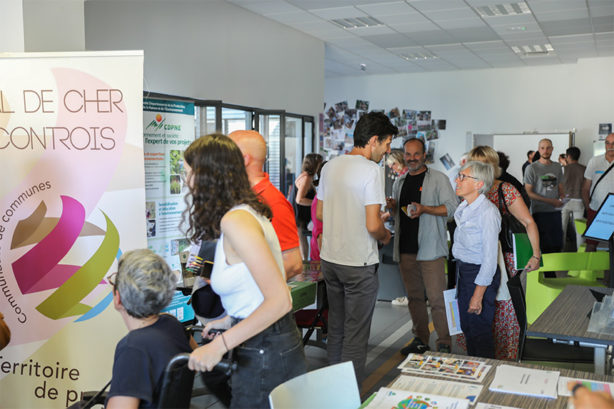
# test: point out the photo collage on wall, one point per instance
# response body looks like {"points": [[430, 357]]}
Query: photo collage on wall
{"points": [[338, 121]]}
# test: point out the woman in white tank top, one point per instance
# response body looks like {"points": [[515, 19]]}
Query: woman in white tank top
{"points": [[248, 274]]}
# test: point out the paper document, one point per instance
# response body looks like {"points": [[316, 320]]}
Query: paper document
{"points": [[438, 387], [492, 406], [451, 368], [590, 384], [454, 325], [393, 398], [525, 381]]}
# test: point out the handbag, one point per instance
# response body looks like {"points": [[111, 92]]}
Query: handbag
{"points": [[509, 224]]}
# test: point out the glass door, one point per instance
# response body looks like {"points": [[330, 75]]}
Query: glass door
{"points": [[270, 126], [293, 151], [308, 145]]}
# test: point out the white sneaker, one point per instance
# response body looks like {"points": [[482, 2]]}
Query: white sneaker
{"points": [[400, 302]]}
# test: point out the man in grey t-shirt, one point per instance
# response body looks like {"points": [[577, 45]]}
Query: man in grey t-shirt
{"points": [[544, 183]]}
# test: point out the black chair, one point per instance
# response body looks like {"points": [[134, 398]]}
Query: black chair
{"points": [[541, 349], [177, 383], [314, 319], [176, 391]]}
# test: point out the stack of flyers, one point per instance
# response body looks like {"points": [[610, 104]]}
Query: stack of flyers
{"points": [[453, 368], [393, 398]]}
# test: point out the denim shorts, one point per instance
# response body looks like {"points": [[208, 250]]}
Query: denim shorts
{"points": [[266, 360]]}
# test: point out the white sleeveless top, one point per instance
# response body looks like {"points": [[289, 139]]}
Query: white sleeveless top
{"points": [[234, 283]]}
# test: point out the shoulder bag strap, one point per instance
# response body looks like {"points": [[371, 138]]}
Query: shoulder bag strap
{"points": [[599, 180]]}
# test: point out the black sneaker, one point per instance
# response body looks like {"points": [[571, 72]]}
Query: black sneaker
{"points": [[445, 348], [416, 347]]}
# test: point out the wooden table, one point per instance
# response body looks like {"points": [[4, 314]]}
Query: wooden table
{"points": [[518, 401], [566, 319]]}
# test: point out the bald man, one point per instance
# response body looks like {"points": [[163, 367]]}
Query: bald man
{"points": [[253, 147]]}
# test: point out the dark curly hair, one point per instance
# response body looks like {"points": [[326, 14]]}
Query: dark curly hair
{"points": [[219, 182]]}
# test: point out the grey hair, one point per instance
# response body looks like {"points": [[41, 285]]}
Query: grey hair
{"points": [[145, 283], [483, 172]]}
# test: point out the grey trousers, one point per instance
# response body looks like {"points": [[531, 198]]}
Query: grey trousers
{"points": [[352, 292]]}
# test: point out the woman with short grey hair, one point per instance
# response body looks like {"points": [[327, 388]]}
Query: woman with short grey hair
{"points": [[145, 283], [475, 248], [142, 287]]}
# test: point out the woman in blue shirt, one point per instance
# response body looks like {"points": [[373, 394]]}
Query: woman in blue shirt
{"points": [[475, 248]]}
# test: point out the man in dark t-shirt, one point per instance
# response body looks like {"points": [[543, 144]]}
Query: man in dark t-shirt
{"points": [[422, 202]]}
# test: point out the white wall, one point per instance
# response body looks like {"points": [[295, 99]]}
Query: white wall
{"points": [[213, 50], [11, 29], [53, 25], [506, 100]]}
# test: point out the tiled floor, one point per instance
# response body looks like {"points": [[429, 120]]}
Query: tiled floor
{"points": [[390, 331]]}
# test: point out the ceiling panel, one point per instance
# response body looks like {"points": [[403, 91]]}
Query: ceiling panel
{"points": [[432, 37], [434, 5], [464, 23], [472, 35], [386, 9], [449, 28], [389, 40], [266, 7], [338, 12]]}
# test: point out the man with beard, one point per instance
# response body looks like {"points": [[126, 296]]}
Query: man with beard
{"points": [[598, 182], [422, 203], [544, 184]]}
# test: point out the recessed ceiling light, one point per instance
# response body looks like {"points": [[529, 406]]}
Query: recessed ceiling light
{"points": [[499, 10], [418, 56], [533, 50], [517, 28], [357, 22]]}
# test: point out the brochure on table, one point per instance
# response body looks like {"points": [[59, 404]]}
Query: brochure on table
{"points": [[452, 368], [387, 398], [591, 385], [440, 387], [525, 381]]}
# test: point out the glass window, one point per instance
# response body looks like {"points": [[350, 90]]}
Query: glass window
{"points": [[293, 155], [235, 120], [270, 129], [205, 121], [308, 138]]}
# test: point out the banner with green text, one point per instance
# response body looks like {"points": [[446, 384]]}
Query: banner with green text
{"points": [[71, 201], [168, 129]]}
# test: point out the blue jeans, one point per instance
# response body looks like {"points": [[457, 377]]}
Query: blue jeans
{"points": [[266, 360], [478, 328]]}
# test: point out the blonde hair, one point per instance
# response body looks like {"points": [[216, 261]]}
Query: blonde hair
{"points": [[488, 155], [395, 155]]}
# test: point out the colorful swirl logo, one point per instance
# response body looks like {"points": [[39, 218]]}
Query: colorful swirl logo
{"points": [[39, 269]]}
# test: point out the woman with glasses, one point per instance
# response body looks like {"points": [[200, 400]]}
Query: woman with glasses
{"points": [[248, 274], [475, 248], [143, 285], [507, 330]]}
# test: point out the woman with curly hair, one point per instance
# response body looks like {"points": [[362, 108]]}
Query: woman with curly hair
{"points": [[248, 274]]}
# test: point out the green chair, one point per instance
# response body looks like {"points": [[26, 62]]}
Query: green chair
{"points": [[541, 291], [580, 225]]}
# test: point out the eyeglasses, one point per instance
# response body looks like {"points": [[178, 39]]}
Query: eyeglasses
{"points": [[462, 176], [112, 279]]}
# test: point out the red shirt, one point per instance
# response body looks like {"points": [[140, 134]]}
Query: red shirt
{"points": [[283, 221]]}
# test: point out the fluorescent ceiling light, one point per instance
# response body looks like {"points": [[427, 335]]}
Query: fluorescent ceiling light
{"points": [[500, 10], [533, 50], [418, 56], [357, 22]]}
